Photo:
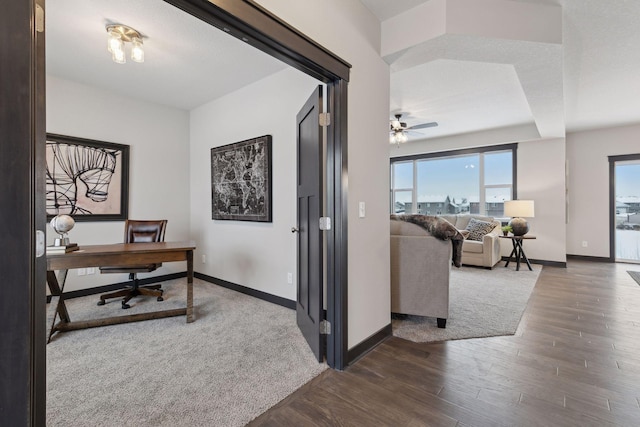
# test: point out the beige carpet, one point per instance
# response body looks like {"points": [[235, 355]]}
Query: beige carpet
{"points": [[240, 357], [482, 303]]}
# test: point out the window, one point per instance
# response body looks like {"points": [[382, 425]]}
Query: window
{"points": [[475, 181]]}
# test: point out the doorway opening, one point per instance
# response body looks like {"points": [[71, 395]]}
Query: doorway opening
{"points": [[25, 387], [624, 176]]}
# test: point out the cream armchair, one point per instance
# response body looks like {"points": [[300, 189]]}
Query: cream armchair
{"points": [[485, 253], [420, 267]]}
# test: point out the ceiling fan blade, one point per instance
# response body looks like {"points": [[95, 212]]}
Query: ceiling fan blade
{"points": [[423, 126]]}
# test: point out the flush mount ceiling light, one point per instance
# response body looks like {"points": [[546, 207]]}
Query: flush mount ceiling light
{"points": [[118, 35]]}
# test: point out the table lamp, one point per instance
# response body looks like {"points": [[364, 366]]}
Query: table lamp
{"points": [[518, 210]]}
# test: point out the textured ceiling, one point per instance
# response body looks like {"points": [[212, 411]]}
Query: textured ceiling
{"points": [[467, 87], [465, 83], [187, 62], [589, 81]]}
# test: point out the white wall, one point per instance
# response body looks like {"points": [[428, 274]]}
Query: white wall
{"points": [[256, 255], [588, 185], [349, 30], [541, 177], [159, 163]]}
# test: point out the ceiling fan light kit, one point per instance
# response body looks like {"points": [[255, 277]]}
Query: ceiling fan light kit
{"points": [[398, 134], [398, 137]]}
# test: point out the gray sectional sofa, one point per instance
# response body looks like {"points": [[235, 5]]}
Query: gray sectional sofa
{"points": [[420, 267]]}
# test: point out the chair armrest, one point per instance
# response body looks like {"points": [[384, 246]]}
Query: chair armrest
{"points": [[491, 243]]}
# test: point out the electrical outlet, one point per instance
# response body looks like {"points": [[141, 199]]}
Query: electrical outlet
{"points": [[585, 243], [290, 278], [91, 270], [82, 272], [204, 259]]}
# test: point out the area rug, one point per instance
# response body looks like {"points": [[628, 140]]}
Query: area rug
{"points": [[241, 356], [482, 303], [635, 275]]}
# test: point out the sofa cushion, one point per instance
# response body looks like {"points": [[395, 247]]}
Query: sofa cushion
{"points": [[462, 220], [472, 246], [452, 219], [477, 229]]}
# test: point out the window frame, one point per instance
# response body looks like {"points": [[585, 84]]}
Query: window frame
{"points": [[454, 153]]}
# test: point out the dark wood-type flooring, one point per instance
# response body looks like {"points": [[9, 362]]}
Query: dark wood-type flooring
{"points": [[575, 361]]}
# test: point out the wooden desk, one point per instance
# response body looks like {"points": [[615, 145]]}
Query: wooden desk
{"points": [[517, 250], [121, 254]]}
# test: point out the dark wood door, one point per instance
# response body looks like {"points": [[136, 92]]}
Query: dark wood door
{"points": [[309, 283]]}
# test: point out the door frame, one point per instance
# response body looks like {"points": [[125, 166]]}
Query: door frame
{"points": [[22, 196], [612, 200], [255, 25], [23, 50]]}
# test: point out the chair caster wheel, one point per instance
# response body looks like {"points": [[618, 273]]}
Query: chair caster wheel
{"points": [[125, 305], [160, 299], [102, 302]]}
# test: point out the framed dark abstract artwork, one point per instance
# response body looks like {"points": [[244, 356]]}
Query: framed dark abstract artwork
{"points": [[241, 180], [86, 179]]}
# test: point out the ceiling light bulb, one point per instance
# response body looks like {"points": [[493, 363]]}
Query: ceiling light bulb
{"points": [[137, 53], [118, 56], [114, 41], [402, 138]]}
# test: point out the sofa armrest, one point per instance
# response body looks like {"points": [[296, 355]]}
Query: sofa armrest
{"points": [[420, 268]]}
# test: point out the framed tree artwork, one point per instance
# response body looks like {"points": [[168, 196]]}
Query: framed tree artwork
{"points": [[241, 180], [86, 179]]}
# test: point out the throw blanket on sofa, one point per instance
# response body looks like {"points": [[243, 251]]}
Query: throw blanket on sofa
{"points": [[439, 228]]}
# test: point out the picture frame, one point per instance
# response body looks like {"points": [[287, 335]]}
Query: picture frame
{"points": [[86, 179], [241, 188]]}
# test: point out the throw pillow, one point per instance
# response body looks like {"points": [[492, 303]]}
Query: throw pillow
{"points": [[477, 229]]}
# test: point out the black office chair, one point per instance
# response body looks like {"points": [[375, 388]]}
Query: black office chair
{"points": [[137, 232]]}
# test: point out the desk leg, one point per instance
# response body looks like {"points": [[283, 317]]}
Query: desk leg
{"points": [[56, 290], [190, 286]]}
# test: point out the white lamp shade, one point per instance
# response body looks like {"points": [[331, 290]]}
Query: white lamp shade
{"points": [[519, 208]]}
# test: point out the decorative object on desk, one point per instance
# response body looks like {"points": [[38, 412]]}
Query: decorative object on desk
{"points": [[86, 179], [518, 210], [506, 229], [241, 180], [62, 224]]}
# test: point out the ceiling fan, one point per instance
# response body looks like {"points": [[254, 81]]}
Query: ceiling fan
{"points": [[399, 130]]}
